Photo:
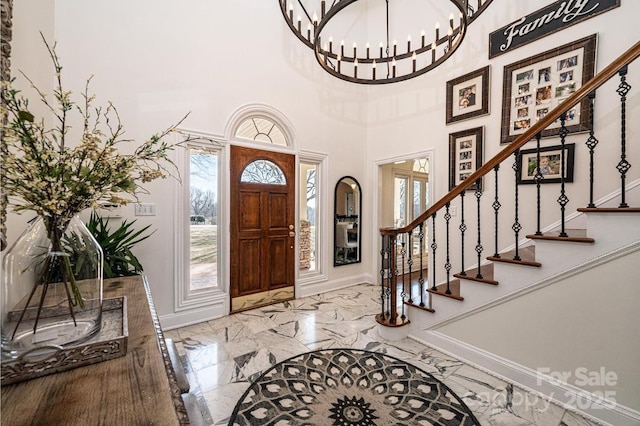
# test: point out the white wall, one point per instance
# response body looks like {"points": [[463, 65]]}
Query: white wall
{"points": [[579, 325], [409, 117], [157, 60]]}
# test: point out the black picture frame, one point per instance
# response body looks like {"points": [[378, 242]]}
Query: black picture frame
{"points": [[468, 96], [533, 86], [465, 156], [528, 159]]}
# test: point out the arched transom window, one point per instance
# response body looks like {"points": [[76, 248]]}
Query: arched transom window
{"points": [[261, 129], [263, 171]]}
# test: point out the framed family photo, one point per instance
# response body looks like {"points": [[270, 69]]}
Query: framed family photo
{"points": [[468, 96], [550, 164], [465, 156], [534, 86]]}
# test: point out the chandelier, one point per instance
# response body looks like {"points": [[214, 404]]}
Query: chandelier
{"points": [[350, 56]]}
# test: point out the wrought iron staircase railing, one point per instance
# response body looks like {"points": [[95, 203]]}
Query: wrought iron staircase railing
{"points": [[398, 243]]}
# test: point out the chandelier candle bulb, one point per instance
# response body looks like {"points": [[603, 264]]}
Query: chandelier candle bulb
{"points": [[449, 28]]}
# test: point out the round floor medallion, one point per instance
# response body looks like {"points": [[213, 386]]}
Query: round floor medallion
{"points": [[348, 387]]}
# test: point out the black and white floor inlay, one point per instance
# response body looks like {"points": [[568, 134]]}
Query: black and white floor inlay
{"points": [[349, 387], [224, 356]]}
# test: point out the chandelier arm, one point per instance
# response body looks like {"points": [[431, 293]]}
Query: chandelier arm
{"points": [[304, 9]]}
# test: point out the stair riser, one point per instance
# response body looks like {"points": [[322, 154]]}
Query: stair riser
{"points": [[613, 230]]}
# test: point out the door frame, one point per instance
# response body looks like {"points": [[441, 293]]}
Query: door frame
{"points": [[294, 189], [377, 211]]}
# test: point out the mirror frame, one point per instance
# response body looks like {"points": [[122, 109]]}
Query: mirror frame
{"points": [[357, 219]]}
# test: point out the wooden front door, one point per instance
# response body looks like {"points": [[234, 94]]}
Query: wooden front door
{"points": [[262, 227]]}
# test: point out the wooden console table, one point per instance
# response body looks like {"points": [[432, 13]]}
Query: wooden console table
{"points": [[137, 389]]}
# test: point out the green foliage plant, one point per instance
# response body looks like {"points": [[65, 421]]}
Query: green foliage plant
{"points": [[119, 261]]}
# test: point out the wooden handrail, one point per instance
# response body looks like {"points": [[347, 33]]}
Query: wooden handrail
{"points": [[590, 86]]}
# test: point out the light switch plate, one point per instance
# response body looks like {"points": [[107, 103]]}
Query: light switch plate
{"points": [[145, 209]]}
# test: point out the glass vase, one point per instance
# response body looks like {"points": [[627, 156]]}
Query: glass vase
{"points": [[51, 288]]}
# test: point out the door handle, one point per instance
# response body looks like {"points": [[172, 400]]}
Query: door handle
{"points": [[292, 234]]}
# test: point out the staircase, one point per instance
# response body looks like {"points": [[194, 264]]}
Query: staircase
{"points": [[469, 271], [543, 258]]}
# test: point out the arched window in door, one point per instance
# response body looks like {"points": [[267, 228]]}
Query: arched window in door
{"points": [[263, 171]]}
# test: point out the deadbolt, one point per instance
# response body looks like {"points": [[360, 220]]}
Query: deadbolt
{"points": [[291, 227]]}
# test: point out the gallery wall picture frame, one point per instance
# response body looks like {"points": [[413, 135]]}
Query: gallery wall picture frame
{"points": [[550, 161], [465, 156], [534, 86], [468, 96]]}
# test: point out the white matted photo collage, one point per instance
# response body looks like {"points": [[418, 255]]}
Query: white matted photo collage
{"points": [[539, 87]]}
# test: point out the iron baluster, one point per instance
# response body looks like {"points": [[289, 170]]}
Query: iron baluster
{"points": [[393, 280], [623, 166], [563, 200], [403, 293], [591, 144], [447, 264], [463, 228], [538, 178], [434, 246], [479, 247], [496, 206], [516, 227], [410, 264], [421, 279], [384, 262]]}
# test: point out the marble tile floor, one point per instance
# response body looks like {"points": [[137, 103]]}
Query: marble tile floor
{"points": [[223, 356]]}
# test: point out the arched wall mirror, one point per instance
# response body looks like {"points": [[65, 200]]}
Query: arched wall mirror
{"points": [[347, 246]]}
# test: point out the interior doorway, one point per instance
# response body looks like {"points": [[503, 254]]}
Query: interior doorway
{"points": [[406, 188], [262, 230]]}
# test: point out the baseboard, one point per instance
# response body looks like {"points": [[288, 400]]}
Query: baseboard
{"points": [[216, 309], [595, 408], [330, 285]]}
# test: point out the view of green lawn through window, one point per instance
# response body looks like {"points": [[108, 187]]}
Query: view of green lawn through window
{"points": [[203, 218]]}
